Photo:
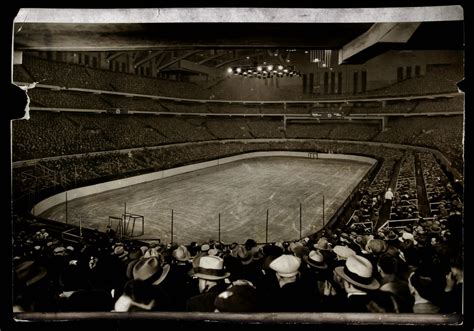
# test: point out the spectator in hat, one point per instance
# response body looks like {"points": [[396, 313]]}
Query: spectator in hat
{"points": [[232, 261], [388, 268], [243, 254], [78, 294], [288, 292], [110, 233], [239, 297], [266, 278], [205, 248], [301, 251], [342, 253], [250, 261], [361, 244], [319, 281], [121, 253], [202, 250], [360, 285], [211, 273], [154, 272], [133, 257], [325, 247], [407, 241], [153, 250], [30, 290], [453, 292], [107, 271], [374, 217], [423, 289], [374, 249], [41, 235], [56, 262], [178, 281]]}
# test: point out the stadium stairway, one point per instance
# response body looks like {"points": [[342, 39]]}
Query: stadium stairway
{"points": [[384, 213], [423, 204]]}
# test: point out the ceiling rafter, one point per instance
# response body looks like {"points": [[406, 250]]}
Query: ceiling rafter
{"points": [[212, 57], [114, 55], [238, 59], [176, 60], [159, 60], [147, 58]]}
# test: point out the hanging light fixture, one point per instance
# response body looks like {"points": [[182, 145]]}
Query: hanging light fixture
{"points": [[322, 57], [264, 71]]}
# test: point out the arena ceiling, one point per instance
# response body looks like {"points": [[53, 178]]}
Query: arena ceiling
{"points": [[356, 39]]}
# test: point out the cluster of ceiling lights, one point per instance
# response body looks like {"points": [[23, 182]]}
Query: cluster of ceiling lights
{"points": [[264, 71]]}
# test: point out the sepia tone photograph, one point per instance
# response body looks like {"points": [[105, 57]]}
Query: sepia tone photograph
{"points": [[239, 165]]}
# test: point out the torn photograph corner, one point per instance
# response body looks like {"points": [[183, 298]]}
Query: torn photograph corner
{"points": [[232, 165]]}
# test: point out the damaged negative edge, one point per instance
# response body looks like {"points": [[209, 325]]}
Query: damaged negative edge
{"points": [[14, 55]]}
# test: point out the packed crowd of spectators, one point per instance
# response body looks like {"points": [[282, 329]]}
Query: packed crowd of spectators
{"points": [[446, 135], [66, 99], [405, 199], [440, 105], [47, 98], [92, 132], [77, 76], [59, 74], [52, 134], [417, 268], [441, 194], [367, 210], [342, 269], [356, 131], [60, 134], [132, 104], [235, 129], [266, 127], [438, 79]]}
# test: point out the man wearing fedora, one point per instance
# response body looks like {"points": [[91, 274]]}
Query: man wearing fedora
{"points": [[178, 281], [361, 287], [153, 271], [211, 274], [318, 279]]}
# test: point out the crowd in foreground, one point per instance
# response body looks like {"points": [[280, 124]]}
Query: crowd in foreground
{"points": [[348, 269]]}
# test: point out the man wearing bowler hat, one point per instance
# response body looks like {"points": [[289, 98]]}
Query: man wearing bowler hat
{"points": [[211, 275]]}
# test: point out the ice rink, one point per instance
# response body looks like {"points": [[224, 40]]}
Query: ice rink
{"points": [[240, 191]]}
